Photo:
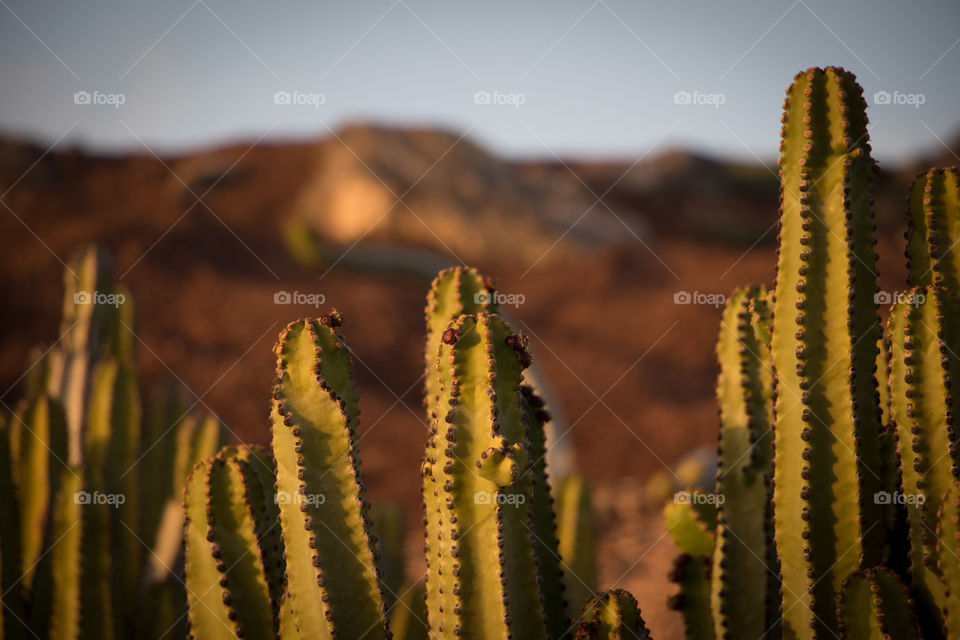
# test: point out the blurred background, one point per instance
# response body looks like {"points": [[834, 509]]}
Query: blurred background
{"points": [[612, 164]]}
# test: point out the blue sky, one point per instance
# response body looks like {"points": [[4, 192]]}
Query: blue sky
{"points": [[573, 79]]}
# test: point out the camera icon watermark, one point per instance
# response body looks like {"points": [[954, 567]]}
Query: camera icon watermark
{"points": [[910, 298], [697, 497], [698, 98], [298, 297], [715, 300], [511, 499], [499, 299], [885, 497], [899, 98], [112, 499], [299, 98], [96, 297], [115, 100], [301, 499], [514, 100]]}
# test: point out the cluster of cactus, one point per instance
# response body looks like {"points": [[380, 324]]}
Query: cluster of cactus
{"points": [[90, 522], [284, 544], [835, 507]]}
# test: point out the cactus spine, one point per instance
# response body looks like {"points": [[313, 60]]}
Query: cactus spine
{"points": [[575, 529], [824, 340], [744, 585], [319, 485]]}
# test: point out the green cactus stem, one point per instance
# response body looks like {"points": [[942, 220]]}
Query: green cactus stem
{"points": [[825, 332], [691, 521], [948, 559], [112, 447], [482, 578], [225, 573], [99, 577], [924, 335], [454, 292], [575, 540], [874, 605], [612, 615], [39, 442], [320, 488], [87, 326], [745, 585], [65, 562], [933, 229], [553, 578]]}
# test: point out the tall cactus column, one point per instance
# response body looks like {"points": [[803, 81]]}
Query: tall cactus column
{"points": [[824, 344], [331, 570], [482, 579], [744, 563]]}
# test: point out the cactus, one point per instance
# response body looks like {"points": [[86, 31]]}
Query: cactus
{"points": [[874, 605], [933, 229], [112, 446], [947, 557], [227, 571], [38, 440], [924, 334], [72, 535], [486, 521], [744, 553], [86, 330], [323, 513], [691, 521], [555, 584], [824, 340], [612, 615], [454, 292], [575, 529]]}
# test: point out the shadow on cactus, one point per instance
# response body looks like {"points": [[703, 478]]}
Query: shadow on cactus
{"points": [[846, 527]]}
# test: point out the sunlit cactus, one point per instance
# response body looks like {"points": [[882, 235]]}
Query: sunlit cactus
{"points": [[319, 486], [933, 229], [691, 520], [233, 587], [575, 534], [744, 595], [923, 334], [824, 339], [483, 504]]}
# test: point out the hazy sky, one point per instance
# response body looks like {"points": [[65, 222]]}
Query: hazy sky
{"points": [[567, 78]]}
